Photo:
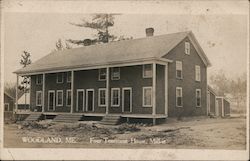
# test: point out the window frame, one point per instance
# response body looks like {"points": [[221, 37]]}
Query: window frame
{"points": [[69, 80], [99, 97], [178, 70], [112, 97], [176, 98], [143, 71], [8, 106], [57, 74], [59, 91], [99, 75], [198, 79], [39, 92], [143, 98], [67, 97], [112, 72], [196, 101], [187, 48], [37, 78]]}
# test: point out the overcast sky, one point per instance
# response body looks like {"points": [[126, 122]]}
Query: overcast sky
{"points": [[222, 34]]}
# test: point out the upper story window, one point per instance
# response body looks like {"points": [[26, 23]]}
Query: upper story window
{"points": [[39, 79], [197, 73], [198, 97], [102, 74], [59, 78], [147, 71], [187, 48], [115, 73], [68, 77], [179, 96], [179, 69], [147, 97]]}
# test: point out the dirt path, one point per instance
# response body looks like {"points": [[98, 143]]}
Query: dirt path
{"points": [[192, 133]]}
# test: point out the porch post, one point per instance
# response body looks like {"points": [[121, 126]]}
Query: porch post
{"points": [[43, 93], [154, 89], [72, 92], [107, 90], [154, 93], [17, 82], [166, 89]]}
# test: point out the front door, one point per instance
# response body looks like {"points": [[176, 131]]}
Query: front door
{"points": [[51, 100], [80, 100], [90, 100], [127, 99]]}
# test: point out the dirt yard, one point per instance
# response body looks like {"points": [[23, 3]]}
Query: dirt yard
{"points": [[206, 133]]}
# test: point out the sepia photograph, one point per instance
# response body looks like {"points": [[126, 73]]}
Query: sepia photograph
{"points": [[170, 77]]}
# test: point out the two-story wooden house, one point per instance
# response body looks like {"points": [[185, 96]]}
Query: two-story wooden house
{"points": [[152, 77]]}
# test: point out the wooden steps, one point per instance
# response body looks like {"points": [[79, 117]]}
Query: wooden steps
{"points": [[110, 120], [34, 117], [68, 118]]}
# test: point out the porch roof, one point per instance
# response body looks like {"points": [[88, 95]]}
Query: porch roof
{"points": [[106, 54]]}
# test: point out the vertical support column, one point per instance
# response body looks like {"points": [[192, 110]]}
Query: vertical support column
{"points": [[43, 93], [166, 89], [17, 82], [107, 90], [72, 92], [222, 107], [154, 89]]}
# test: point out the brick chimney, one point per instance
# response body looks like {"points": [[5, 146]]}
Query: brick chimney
{"points": [[149, 31]]}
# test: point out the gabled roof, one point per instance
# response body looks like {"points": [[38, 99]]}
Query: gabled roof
{"points": [[7, 94], [109, 53], [212, 90]]}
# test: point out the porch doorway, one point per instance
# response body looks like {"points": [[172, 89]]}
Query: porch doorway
{"points": [[90, 100], [80, 100], [51, 100], [126, 100]]}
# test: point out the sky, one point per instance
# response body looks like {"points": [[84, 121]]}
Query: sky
{"points": [[220, 29]]}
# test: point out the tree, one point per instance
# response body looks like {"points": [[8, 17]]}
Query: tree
{"points": [[25, 61], [10, 88], [238, 89], [220, 82], [60, 46], [102, 24]]}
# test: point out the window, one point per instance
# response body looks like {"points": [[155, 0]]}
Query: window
{"points": [[59, 98], [198, 97], [38, 98], [39, 79], [147, 71], [187, 48], [6, 107], [102, 74], [197, 73], [102, 97], [59, 78], [115, 97], [178, 96], [179, 69], [115, 73], [147, 97], [68, 97], [68, 77]]}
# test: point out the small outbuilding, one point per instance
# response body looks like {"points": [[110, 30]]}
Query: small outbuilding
{"points": [[222, 107]]}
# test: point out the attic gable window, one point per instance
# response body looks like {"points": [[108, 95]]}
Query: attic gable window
{"points": [[179, 69], [102, 74], [59, 78], [147, 71], [115, 73], [187, 48]]}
